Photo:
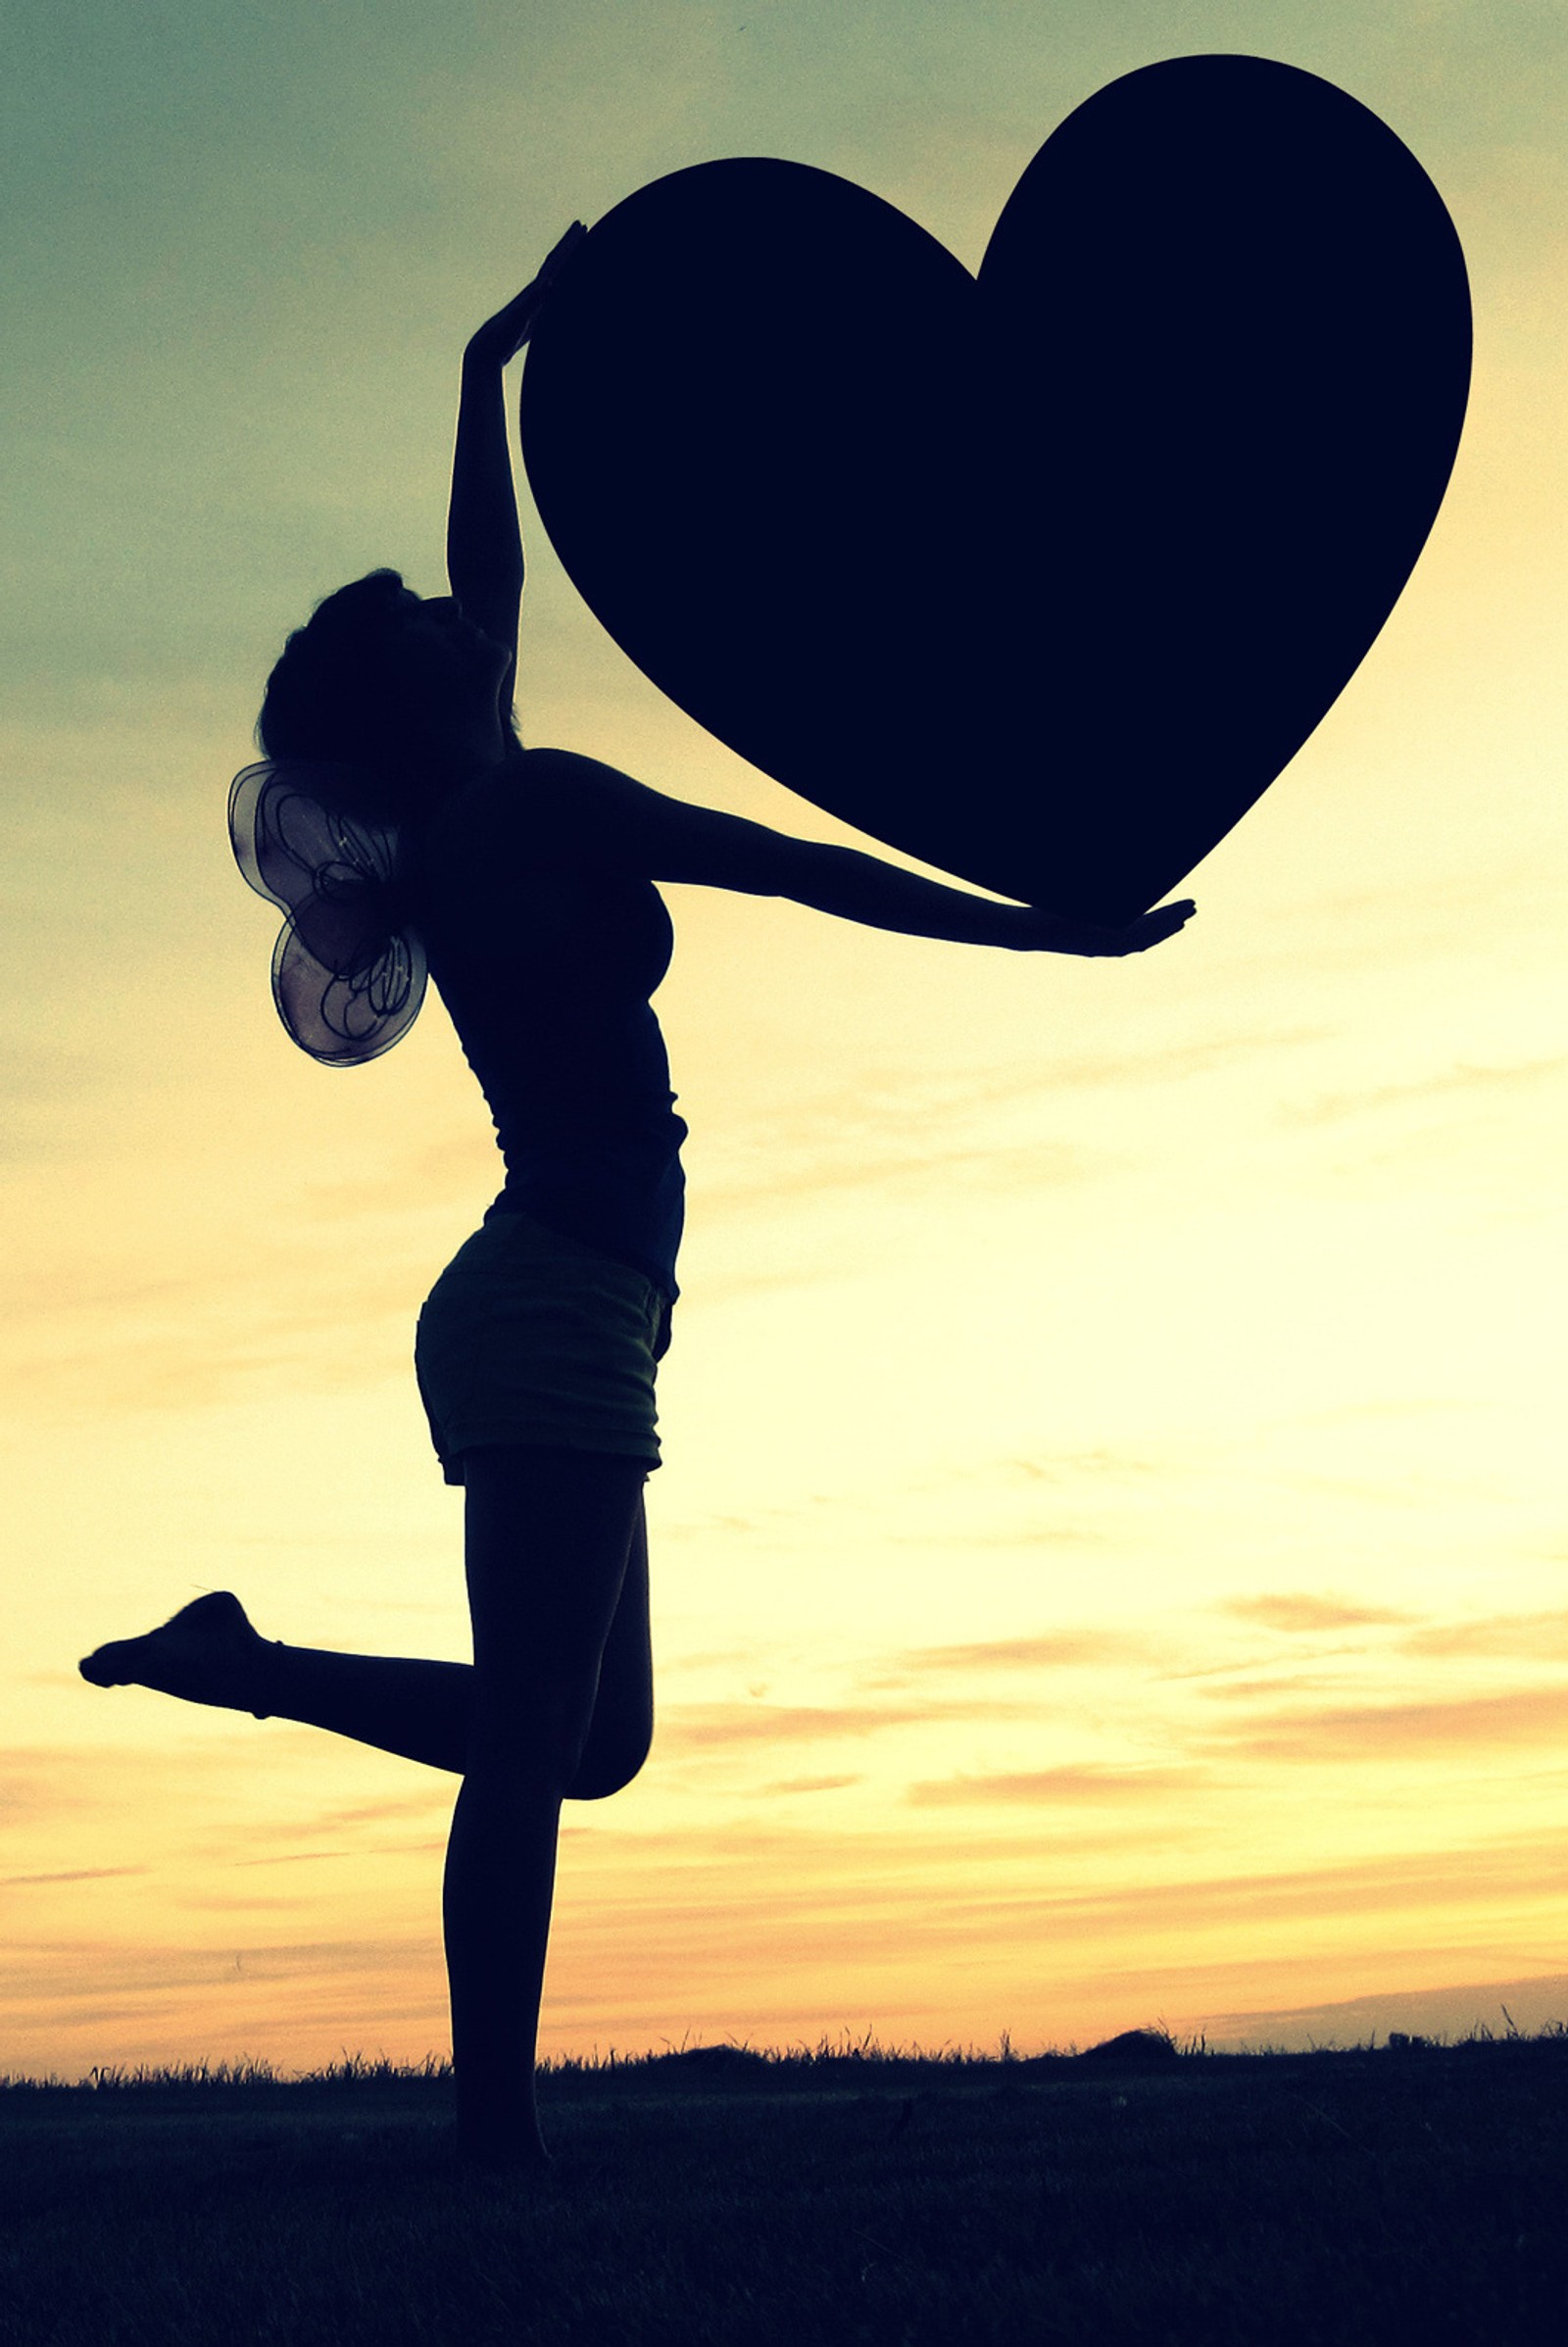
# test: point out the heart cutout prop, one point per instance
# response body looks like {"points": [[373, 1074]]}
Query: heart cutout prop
{"points": [[1041, 578]]}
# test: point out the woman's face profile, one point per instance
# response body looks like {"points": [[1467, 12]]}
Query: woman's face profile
{"points": [[435, 640], [448, 674]]}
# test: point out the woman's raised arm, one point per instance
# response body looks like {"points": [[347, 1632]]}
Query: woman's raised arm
{"points": [[484, 544]]}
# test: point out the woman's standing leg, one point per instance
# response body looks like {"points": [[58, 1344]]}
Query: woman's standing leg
{"points": [[549, 1536]]}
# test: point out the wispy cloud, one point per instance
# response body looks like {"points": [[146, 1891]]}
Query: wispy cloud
{"points": [[89, 1971], [47, 1782], [809, 1784], [904, 1123], [1300, 1610], [1538, 1637], [695, 1727], [445, 1173], [1101, 1464], [296, 1857], [175, 1342], [914, 1125], [435, 1801], [1054, 1533], [1179, 1063], [1290, 1677], [1124, 1939], [996, 1891], [1452, 1084], [1046, 1787], [80, 1874], [1054, 1650], [859, 1161], [1400, 1731]]}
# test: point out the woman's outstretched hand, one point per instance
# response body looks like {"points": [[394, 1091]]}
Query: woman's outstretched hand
{"points": [[502, 336], [1050, 933]]}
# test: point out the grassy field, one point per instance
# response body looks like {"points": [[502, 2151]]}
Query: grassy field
{"points": [[1417, 2192]]}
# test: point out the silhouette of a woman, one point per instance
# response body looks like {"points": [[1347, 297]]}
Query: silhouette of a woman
{"points": [[528, 876]]}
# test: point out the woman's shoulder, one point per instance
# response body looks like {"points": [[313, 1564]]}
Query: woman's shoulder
{"points": [[571, 808], [563, 781]]}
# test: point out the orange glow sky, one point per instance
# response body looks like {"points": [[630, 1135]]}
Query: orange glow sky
{"points": [[1109, 1561]]}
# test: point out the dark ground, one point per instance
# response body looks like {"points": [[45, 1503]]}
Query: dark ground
{"points": [[1407, 2195]]}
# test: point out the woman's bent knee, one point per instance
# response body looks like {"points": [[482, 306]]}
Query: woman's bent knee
{"points": [[600, 1777], [539, 1756]]}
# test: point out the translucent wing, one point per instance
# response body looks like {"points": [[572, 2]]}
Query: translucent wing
{"points": [[348, 972]]}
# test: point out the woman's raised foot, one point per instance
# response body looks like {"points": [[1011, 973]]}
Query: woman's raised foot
{"points": [[206, 1653]]}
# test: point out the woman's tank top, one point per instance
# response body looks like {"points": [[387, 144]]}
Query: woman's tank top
{"points": [[546, 954]]}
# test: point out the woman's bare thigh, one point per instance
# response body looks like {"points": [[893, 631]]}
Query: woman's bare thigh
{"points": [[548, 1538]]}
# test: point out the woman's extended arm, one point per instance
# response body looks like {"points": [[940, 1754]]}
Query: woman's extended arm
{"points": [[862, 888], [484, 545], [607, 816]]}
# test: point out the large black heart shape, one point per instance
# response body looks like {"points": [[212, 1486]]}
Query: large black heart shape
{"points": [[1042, 579]]}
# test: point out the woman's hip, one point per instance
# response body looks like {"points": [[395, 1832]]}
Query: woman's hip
{"points": [[531, 1338]]}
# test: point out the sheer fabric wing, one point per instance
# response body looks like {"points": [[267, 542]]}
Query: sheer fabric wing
{"points": [[348, 972]]}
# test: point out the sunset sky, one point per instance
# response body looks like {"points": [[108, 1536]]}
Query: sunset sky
{"points": [[1109, 1563]]}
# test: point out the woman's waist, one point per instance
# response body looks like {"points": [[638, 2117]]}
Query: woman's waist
{"points": [[637, 1224], [518, 1253], [634, 1163]]}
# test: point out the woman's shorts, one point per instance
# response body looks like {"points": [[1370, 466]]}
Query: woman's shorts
{"points": [[530, 1338]]}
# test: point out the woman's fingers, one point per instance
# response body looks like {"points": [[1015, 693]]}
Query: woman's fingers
{"points": [[1156, 926], [1088, 937], [504, 335], [554, 261], [562, 247]]}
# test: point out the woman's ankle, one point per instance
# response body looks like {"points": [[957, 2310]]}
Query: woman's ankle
{"points": [[269, 1653]]}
